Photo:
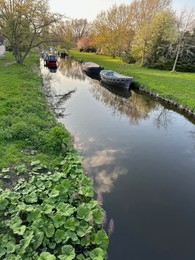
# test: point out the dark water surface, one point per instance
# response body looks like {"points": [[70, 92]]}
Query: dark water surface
{"points": [[141, 157]]}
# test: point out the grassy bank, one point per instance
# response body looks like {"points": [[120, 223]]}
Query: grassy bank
{"points": [[47, 206], [177, 86]]}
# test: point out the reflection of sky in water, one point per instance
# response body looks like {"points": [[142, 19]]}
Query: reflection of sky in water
{"points": [[141, 156]]}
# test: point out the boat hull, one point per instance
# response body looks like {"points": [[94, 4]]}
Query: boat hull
{"points": [[115, 79], [91, 68]]}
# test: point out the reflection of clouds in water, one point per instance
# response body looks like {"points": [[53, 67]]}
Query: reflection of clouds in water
{"points": [[91, 139], [104, 157], [104, 179]]}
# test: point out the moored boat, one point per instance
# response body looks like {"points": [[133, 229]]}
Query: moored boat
{"points": [[115, 79], [51, 61], [91, 67]]}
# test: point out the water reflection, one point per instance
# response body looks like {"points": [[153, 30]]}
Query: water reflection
{"points": [[141, 156], [136, 107], [104, 178], [71, 69]]}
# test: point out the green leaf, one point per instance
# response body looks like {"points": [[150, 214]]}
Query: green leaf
{"points": [[26, 241], [65, 209], [58, 220], [85, 241], [35, 163], [21, 168], [54, 193], [69, 252], [34, 215], [101, 239], [20, 230], [2, 252], [84, 212], [10, 248], [4, 170], [71, 224], [81, 257], [46, 256], [38, 239], [3, 204], [59, 235], [97, 254], [81, 231], [97, 216], [48, 208], [31, 198], [50, 230]]}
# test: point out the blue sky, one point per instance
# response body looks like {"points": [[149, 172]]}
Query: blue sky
{"points": [[90, 8]]}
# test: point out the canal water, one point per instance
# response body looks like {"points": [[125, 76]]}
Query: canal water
{"points": [[141, 158]]}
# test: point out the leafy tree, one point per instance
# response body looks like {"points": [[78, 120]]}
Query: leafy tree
{"points": [[162, 32], [113, 31], [25, 24], [145, 12]]}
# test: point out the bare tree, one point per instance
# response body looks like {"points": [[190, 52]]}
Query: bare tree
{"points": [[185, 22]]}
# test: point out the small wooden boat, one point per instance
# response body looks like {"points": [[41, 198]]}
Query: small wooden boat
{"points": [[91, 67], [115, 79]]}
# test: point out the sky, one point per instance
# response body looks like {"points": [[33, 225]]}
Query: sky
{"points": [[88, 9]]}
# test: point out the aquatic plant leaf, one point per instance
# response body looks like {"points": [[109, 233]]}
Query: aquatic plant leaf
{"points": [[46, 256], [101, 239], [97, 254], [97, 216], [83, 212]]}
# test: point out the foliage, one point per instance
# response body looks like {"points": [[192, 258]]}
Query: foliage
{"points": [[112, 30], [69, 32], [28, 129], [25, 25], [51, 215]]}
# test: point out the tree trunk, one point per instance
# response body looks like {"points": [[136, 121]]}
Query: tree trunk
{"points": [[143, 53], [177, 56]]}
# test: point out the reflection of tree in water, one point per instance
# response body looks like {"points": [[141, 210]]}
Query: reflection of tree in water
{"points": [[136, 107], [54, 99], [71, 69], [163, 119]]}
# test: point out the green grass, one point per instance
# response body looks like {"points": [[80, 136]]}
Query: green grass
{"points": [[26, 122], [177, 86]]}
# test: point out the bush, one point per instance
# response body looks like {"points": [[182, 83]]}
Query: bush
{"points": [[58, 140]]}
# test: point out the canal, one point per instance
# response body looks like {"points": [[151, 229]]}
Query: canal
{"points": [[141, 158]]}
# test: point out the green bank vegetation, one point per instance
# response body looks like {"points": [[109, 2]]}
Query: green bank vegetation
{"points": [[47, 205], [177, 86]]}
